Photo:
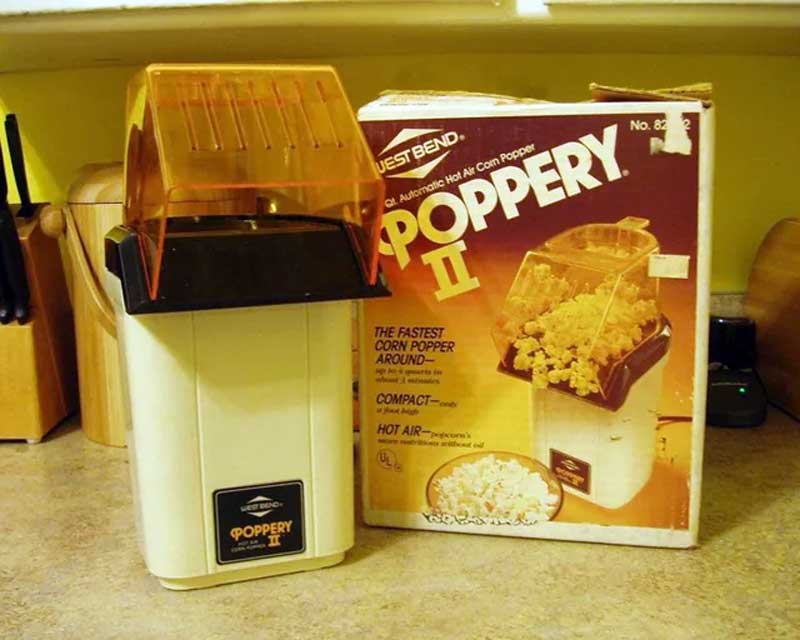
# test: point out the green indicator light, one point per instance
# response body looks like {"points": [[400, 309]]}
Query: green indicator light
{"points": [[742, 390]]}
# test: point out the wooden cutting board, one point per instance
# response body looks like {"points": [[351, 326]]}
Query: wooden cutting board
{"points": [[773, 301]]}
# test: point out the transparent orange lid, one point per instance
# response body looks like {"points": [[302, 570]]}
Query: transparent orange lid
{"points": [[252, 140]]}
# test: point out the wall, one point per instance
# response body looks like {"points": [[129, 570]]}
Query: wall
{"points": [[75, 116]]}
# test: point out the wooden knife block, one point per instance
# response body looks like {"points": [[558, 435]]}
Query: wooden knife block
{"points": [[38, 376]]}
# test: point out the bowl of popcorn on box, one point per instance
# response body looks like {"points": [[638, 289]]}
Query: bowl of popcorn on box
{"points": [[495, 487]]}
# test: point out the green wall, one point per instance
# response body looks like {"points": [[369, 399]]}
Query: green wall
{"points": [[76, 116]]}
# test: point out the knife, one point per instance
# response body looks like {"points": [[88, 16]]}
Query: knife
{"points": [[26, 208], [13, 264], [6, 298], [6, 303]]}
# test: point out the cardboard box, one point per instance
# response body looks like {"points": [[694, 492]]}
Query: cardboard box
{"points": [[540, 368]]}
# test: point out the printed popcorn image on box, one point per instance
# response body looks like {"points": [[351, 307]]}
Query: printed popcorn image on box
{"points": [[582, 323], [539, 368], [499, 487]]}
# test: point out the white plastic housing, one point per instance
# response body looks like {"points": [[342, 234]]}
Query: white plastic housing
{"points": [[232, 398], [619, 446]]}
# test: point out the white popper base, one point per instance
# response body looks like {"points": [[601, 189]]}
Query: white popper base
{"points": [[237, 398], [603, 456]]}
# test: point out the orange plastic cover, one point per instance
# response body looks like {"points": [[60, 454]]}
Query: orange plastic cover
{"points": [[248, 140]]}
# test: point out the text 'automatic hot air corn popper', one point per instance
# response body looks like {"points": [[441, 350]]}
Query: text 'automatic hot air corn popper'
{"points": [[582, 322], [252, 210]]}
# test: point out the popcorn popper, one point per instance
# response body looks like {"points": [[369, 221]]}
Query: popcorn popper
{"points": [[252, 213], [582, 322]]}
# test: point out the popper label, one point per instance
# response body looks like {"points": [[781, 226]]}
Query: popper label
{"points": [[572, 471], [259, 521]]}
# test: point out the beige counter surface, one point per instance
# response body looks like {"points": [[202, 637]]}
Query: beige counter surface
{"points": [[70, 568]]}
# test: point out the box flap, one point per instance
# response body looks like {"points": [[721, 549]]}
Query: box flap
{"points": [[687, 93]]}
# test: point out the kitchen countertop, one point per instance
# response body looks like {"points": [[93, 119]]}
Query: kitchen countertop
{"points": [[70, 568]]}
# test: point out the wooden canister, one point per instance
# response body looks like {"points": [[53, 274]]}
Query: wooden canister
{"points": [[94, 206]]}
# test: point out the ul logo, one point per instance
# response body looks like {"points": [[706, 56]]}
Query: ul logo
{"points": [[388, 460]]}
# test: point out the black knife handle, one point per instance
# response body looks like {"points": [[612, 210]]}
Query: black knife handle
{"points": [[3, 182], [6, 299], [18, 164], [14, 266]]}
